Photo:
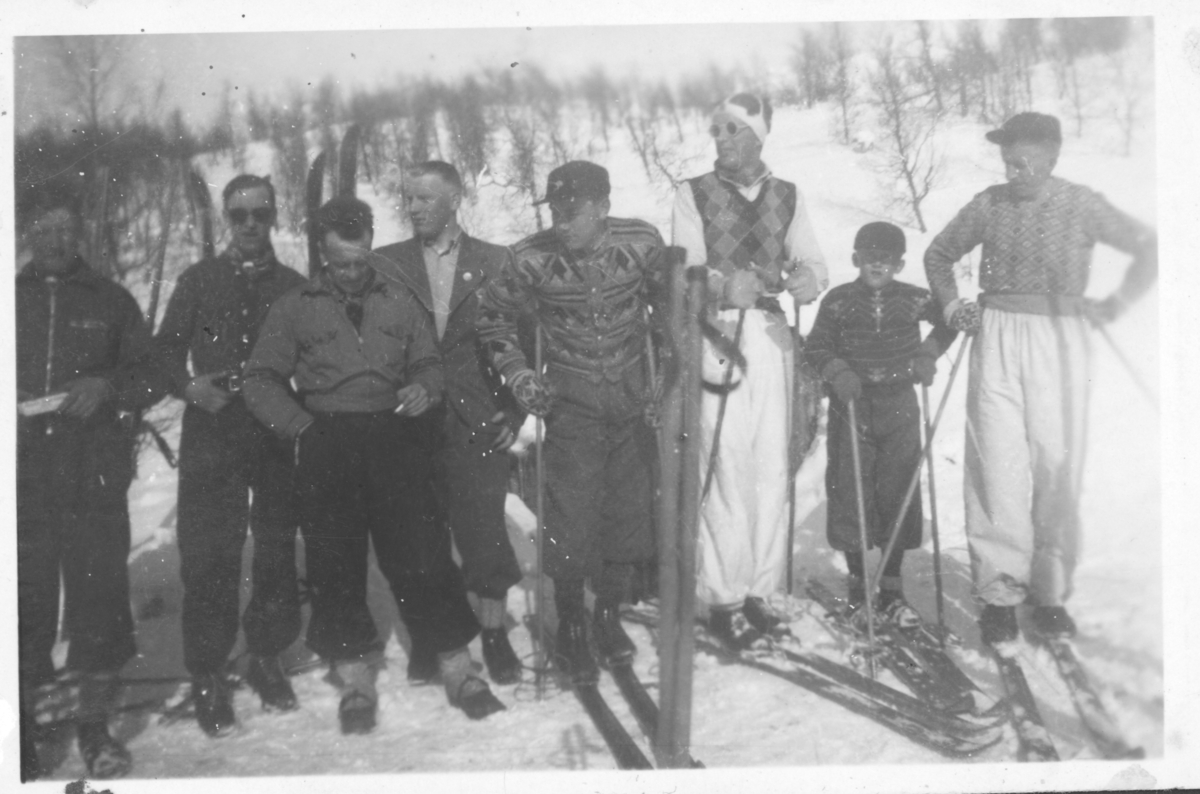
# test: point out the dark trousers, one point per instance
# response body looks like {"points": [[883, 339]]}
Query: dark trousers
{"points": [[363, 478], [600, 459], [73, 523], [471, 484], [889, 438], [223, 459]]}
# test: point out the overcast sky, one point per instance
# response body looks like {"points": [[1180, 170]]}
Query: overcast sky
{"points": [[196, 67]]}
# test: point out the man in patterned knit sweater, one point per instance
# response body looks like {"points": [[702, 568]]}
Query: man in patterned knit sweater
{"points": [[587, 281], [866, 344], [753, 232], [1027, 392]]}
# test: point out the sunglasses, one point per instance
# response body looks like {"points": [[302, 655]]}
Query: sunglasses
{"points": [[731, 128], [260, 215]]}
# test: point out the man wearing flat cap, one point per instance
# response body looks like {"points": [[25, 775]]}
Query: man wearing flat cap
{"points": [[753, 232], [587, 282], [1028, 383]]}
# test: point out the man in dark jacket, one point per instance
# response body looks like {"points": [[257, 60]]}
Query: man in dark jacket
{"points": [[83, 372], [476, 423], [214, 315], [363, 361]]}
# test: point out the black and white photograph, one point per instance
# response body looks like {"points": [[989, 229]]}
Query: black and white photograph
{"points": [[605, 399]]}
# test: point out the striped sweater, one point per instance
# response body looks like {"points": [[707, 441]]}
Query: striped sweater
{"points": [[591, 309], [876, 333]]}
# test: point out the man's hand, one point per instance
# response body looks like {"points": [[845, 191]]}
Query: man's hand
{"points": [[1103, 312], [531, 393], [847, 385], [743, 288], [801, 283], [414, 400], [206, 395], [925, 369], [84, 396], [505, 437], [966, 318]]}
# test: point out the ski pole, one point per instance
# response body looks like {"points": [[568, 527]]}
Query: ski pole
{"points": [[716, 441], [1133, 373], [916, 475], [540, 485], [793, 453], [862, 533], [933, 521]]}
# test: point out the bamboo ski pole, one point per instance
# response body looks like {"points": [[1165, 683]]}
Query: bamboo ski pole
{"points": [[916, 475], [793, 453], [933, 520], [1133, 373], [856, 458], [540, 660]]}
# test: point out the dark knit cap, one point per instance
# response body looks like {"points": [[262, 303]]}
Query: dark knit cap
{"points": [[1028, 128], [880, 236]]}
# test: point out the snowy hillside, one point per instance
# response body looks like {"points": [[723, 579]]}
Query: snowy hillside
{"points": [[741, 718]]}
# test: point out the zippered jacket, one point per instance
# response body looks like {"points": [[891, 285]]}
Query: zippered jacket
{"points": [[83, 325], [307, 338]]}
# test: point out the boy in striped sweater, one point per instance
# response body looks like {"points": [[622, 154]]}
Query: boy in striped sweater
{"points": [[866, 344]]}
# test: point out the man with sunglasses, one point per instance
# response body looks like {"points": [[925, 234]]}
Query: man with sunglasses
{"points": [[753, 232], [586, 282], [213, 317]]}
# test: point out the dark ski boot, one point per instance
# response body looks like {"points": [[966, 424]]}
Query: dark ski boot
{"points": [[360, 700], [502, 663], [265, 676], [998, 624], [213, 700], [731, 627], [572, 653], [612, 643], [762, 617], [475, 699], [105, 757], [1053, 622]]}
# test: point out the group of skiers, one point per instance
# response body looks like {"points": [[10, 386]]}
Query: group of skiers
{"points": [[373, 404]]}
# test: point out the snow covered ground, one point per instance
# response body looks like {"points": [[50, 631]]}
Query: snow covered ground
{"points": [[741, 718]]}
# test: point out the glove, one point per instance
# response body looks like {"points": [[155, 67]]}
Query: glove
{"points": [[743, 288], [847, 385], [925, 368], [966, 318], [1103, 312], [531, 393]]}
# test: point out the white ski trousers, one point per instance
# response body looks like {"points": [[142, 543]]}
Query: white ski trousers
{"points": [[742, 544], [1026, 432]]}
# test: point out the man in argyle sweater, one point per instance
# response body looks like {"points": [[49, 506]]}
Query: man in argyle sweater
{"points": [[587, 282], [1027, 390], [866, 345], [753, 232]]}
